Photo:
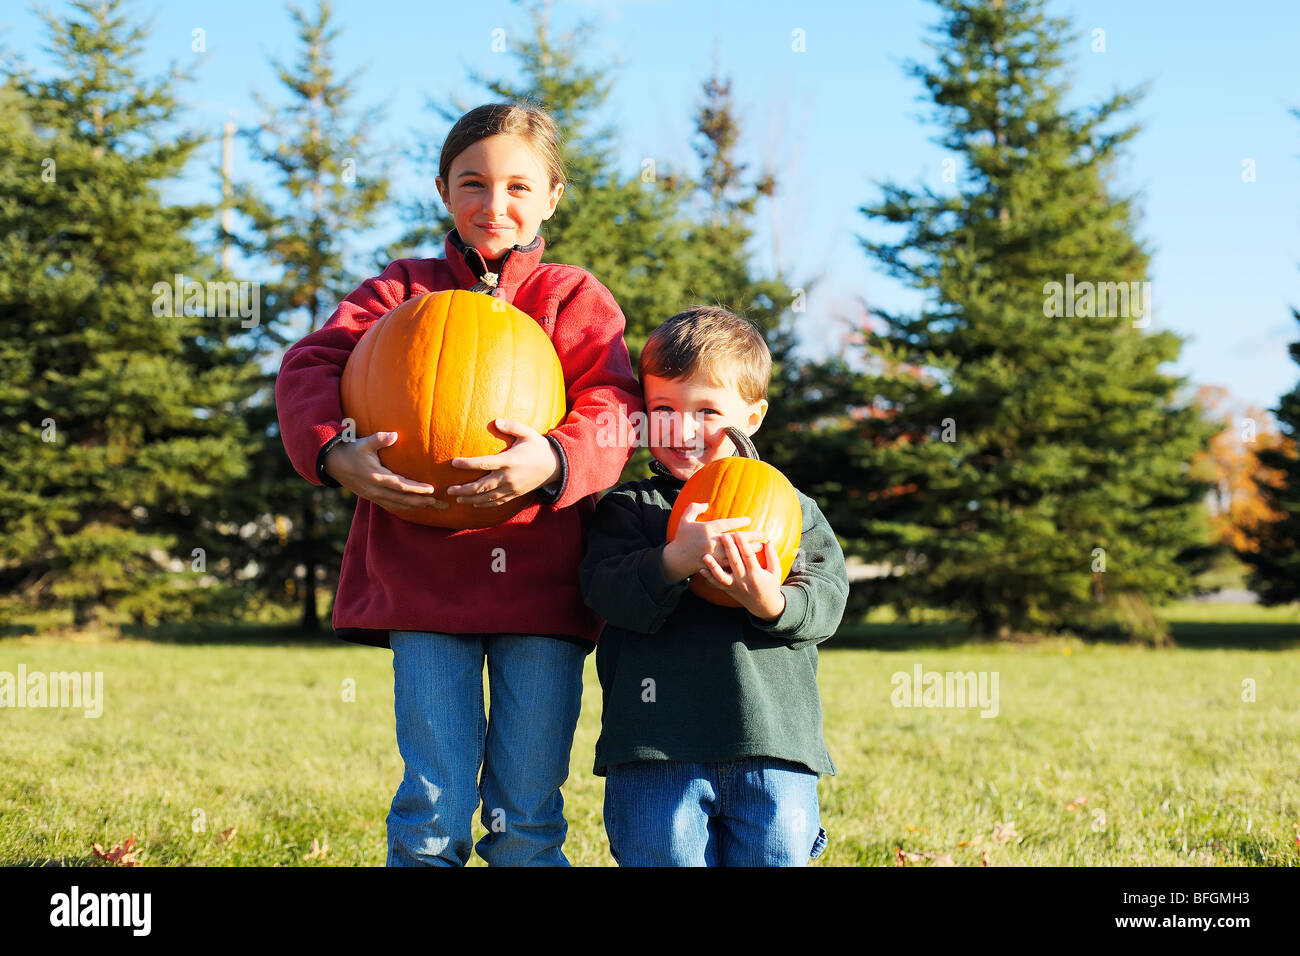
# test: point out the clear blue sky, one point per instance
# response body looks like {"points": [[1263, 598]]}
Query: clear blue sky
{"points": [[842, 115]]}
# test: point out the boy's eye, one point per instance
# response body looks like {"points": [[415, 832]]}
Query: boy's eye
{"points": [[519, 186], [709, 411]]}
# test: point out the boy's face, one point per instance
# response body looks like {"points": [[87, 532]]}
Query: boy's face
{"points": [[687, 418]]}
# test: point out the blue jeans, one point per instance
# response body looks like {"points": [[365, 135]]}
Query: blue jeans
{"points": [[522, 746], [753, 811]]}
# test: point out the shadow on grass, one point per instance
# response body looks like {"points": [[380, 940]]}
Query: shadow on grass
{"points": [[1188, 635], [60, 861], [202, 633]]}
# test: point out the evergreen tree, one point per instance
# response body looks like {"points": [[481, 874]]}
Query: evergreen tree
{"points": [[720, 268], [1026, 463], [327, 187], [119, 408], [1275, 562]]}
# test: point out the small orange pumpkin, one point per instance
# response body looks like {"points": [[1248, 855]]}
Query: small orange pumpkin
{"points": [[743, 486], [437, 370]]}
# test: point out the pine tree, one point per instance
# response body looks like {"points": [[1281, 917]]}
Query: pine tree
{"points": [[118, 407], [1274, 557], [327, 188], [1025, 463], [720, 211]]}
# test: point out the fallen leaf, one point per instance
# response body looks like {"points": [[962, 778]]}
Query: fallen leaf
{"points": [[227, 835], [910, 827], [984, 857], [899, 858], [1076, 803], [1005, 832], [122, 854], [317, 851], [943, 859]]}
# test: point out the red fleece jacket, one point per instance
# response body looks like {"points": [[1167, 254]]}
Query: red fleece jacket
{"points": [[517, 577]]}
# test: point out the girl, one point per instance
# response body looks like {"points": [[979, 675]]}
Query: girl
{"points": [[447, 600]]}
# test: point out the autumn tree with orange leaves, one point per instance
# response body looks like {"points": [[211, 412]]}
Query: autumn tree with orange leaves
{"points": [[1238, 508]]}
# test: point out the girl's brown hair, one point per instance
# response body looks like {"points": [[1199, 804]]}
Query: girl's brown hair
{"points": [[532, 124], [725, 349]]}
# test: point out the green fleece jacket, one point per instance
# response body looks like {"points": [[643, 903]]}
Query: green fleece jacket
{"points": [[683, 679]]}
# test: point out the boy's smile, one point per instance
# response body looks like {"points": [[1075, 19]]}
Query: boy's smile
{"points": [[688, 418]]}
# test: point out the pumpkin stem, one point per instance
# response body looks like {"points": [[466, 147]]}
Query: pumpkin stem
{"points": [[744, 447]]}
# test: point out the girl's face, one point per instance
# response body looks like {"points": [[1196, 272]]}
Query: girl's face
{"points": [[687, 418], [499, 194]]}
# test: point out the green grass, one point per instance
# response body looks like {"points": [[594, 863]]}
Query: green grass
{"points": [[211, 730]]}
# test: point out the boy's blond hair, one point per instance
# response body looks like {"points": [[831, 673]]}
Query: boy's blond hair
{"points": [[708, 341]]}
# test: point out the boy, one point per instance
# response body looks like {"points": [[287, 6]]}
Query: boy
{"points": [[711, 734]]}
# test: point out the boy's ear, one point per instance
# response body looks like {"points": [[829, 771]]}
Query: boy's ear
{"points": [[757, 412]]}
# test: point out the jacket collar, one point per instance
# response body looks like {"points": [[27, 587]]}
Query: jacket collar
{"points": [[659, 469], [468, 265]]}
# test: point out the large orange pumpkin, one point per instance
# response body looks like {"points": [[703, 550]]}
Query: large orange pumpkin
{"points": [[743, 486], [437, 370]]}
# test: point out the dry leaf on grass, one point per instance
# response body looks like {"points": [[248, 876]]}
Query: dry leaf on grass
{"points": [[943, 859], [121, 855], [317, 850], [984, 857], [1005, 832], [1076, 803], [227, 835]]}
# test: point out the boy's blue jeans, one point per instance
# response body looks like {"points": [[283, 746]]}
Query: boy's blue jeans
{"points": [[753, 811], [522, 745]]}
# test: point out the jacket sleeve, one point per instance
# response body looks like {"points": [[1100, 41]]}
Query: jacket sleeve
{"points": [[817, 587], [622, 574], [307, 398], [597, 437]]}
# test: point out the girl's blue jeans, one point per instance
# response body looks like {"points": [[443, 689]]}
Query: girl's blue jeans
{"points": [[522, 746], [753, 811]]}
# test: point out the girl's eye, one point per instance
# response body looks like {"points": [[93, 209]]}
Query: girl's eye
{"points": [[520, 186]]}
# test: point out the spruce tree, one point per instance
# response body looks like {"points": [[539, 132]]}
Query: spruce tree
{"points": [[1275, 561], [1025, 462], [720, 269], [328, 187], [118, 407]]}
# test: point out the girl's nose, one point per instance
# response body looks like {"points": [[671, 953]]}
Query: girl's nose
{"points": [[500, 201]]}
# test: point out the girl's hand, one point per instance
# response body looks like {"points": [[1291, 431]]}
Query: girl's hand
{"points": [[527, 464], [757, 589], [356, 466]]}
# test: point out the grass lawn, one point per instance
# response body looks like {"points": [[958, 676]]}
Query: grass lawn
{"points": [[1100, 754]]}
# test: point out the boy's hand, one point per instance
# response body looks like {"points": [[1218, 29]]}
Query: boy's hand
{"points": [[757, 589], [528, 463], [684, 555], [356, 466]]}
